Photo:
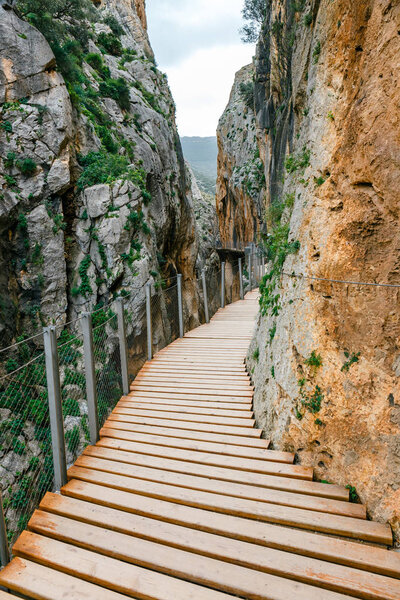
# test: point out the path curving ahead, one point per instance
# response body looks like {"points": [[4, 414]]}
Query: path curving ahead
{"points": [[181, 499]]}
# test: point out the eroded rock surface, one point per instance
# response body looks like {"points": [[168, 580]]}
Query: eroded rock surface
{"points": [[326, 103], [241, 179]]}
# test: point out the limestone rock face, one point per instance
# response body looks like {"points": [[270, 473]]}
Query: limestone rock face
{"points": [[326, 98], [240, 183], [56, 229]]}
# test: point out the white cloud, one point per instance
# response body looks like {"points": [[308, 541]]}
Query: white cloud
{"points": [[201, 86], [197, 44]]}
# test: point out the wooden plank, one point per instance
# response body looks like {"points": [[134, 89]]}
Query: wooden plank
{"points": [[122, 409], [193, 382], [112, 532], [5, 596], [191, 426], [191, 434], [36, 581], [237, 408], [187, 409], [99, 459], [220, 467], [251, 509], [243, 380], [182, 396], [117, 576], [221, 389], [191, 444], [299, 541], [124, 576]]}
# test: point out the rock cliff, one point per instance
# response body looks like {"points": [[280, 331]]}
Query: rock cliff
{"points": [[94, 194], [325, 357], [241, 179]]}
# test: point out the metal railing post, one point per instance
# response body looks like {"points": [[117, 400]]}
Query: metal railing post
{"points": [[123, 350], [223, 285], [203, 277], [4, 550], [149, 325], [241, 279], [250, 271], [55, 407], [90, 375], [180, 307]]}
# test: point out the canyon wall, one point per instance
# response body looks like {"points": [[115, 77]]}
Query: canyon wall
{"points": [[240, 183], [95, 198], [325, 358]]}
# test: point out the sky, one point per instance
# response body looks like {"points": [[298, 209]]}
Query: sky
{"points": [[197, 43]]}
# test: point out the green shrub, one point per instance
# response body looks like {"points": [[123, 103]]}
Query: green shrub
{"points": [[301, 161], [9, 160], [314, 360], [99, 167], [354, 358], [118, 90], [316, 52], [308, 19], [114, 25], [72, 438], [110, 43], [71, 407], [256, 354], [96, 61], [353, 496], [246, 91], [27, 166]]}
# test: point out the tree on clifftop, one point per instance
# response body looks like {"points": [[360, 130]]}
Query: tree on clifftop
{"points": [[254, 11]]}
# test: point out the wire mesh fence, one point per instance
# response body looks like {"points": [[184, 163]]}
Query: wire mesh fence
{"points": [[73, 393], [26, 470], [26, 451], [107, 363]]}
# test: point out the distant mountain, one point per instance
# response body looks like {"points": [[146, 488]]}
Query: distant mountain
{"points": [[201, 153]]}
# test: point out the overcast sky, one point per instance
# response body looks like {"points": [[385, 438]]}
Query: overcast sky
{"points": [[197, 43]]}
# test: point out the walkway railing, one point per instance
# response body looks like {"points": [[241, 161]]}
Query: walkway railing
{"points": [[58, 387]]}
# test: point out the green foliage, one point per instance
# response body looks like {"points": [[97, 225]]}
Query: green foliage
{"points": [[353, 496], [319, 181], [308, 19], [96, 61], [246, 91], [311, 401], [118, 90], [149, 97], [273, 371], [352, 359], [110, 43], [277, 248], [256, 354], [10, 181], [272, 332], [316, 52], [6, 126], [114, 25], [9, 160], [18, 446], [85, 289], [72, 438], [22, 223], [254, 12], [331, 116], [37, 257], [27, 166], [100, 167], [314, 360], [301, 161], [71, 407]]}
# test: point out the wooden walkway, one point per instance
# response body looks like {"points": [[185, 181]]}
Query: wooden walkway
{"points": [[181, 499]]}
